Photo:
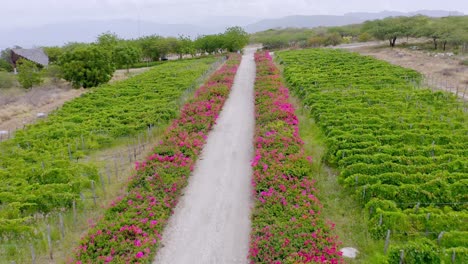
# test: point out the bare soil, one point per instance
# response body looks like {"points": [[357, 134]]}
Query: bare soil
{"points": [[440, 70], [19, 106]]}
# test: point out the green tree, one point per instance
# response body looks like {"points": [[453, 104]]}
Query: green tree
{"points": [[125, 55], [387, 29], [235, 38], [108, 40], [53, 53], [28, 74], [87, 66], [209, 43], [5, 65], [185, 46]]}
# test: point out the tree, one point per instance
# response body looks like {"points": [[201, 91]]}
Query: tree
{"points": [[53, 53], [184, 46], [235, 38], [387, 29], [209, 43], [28, 73], [87, 66], [5, 65], [125, 55], [108, 40], [153, 47]]}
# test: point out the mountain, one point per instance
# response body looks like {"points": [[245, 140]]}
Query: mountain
{"points": [[302, 22], [87, 31], [328, 20]]}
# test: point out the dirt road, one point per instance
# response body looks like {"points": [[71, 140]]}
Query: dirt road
{"points": [[211, 223]]}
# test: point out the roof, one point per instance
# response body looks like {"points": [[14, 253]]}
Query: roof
{"points": [[35, 55]]}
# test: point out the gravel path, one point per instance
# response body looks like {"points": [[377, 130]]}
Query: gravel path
{"points": [[211, 223]]}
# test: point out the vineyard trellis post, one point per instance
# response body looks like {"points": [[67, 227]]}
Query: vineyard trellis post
{"points": [[387, 242], [33, 254], [402, 256]]}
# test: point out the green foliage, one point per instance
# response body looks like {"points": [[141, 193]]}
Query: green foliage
{"points": [[415, 253], [125, 55], [7, 80], [28, 74], [5, 65], [209, 43], [235, 38], [40, 169], [87, 66], [53, 53], [108, 40], [401, 149]]}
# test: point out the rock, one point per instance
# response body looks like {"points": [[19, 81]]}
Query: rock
{"points": [[4, 132], [349, 252], [41, 115]]}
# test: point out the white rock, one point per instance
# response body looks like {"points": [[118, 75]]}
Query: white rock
{"points": [[41, 115], [3, 132], [349, 252]]}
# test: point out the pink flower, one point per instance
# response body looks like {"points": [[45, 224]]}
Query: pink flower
{"points": [[139, 255]]}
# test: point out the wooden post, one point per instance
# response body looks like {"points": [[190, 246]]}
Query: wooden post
{"points": [[61, 225], [102, 183], [94, 192], [380, 220], [387, 242], [116, 169], [82, 142], [33, 254], [439, 238], [453, 256], [69, 152], [49, 242], [402, 256], [74, 213]]}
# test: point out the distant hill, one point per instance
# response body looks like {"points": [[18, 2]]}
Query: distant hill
{"points": [[87, 31], [346, 19]]}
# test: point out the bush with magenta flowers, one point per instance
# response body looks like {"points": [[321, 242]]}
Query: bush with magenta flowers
{"points": [[287, 226]]}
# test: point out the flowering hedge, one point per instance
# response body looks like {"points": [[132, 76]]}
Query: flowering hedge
{"points": [[130, 230], [287, 226]]}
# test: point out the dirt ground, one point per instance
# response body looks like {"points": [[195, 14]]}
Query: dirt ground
{"points": [[440, 70], [19, 107]]}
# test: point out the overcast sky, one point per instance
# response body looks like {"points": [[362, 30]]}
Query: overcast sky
{"points": [[19, 13]]}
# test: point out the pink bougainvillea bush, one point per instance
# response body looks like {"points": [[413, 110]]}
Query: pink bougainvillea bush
{"points": [[287, 226], [130, 230]]}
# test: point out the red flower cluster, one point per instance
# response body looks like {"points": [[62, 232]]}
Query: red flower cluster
{"points": [[130, 231], [287, 226]]}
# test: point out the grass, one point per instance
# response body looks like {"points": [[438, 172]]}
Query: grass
{"points": [[340, 204]]}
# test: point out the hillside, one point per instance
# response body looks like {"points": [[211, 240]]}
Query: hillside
{"points": [[346, 19]]}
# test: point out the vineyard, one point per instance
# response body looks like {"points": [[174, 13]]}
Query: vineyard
{"points": [[401, 148], [43, 168]]}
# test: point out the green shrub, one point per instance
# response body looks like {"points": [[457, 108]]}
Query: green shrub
{"points": [[28, 74], [7, 80], [422, 251], [87, 66]]}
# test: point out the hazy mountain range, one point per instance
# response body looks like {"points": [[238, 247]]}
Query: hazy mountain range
{"points": [[87, 31]]}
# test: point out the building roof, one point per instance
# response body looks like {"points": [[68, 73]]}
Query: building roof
{"points": [[35, 55]]}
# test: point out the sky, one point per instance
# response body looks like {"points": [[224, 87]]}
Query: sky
{"points": [[30, 13]]}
